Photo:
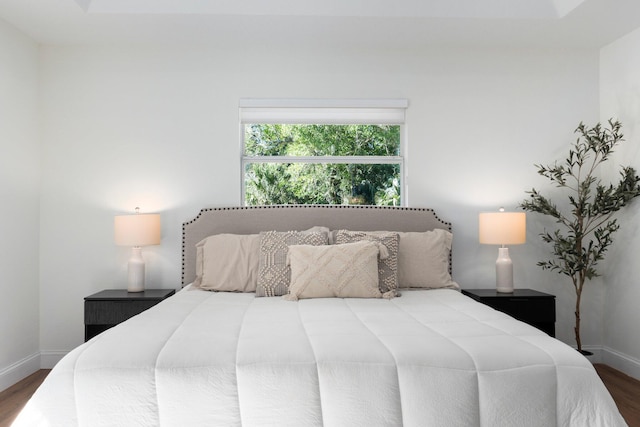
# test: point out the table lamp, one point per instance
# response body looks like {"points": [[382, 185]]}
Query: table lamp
{"points": [[137, 230], [503, 228]]}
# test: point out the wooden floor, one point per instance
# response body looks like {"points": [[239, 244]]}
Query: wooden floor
{"points": [[13, 399], [624, 389]]}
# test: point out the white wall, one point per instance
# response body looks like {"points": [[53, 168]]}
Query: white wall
{"points": [[158, 128], [620, 98], [19, 198]]}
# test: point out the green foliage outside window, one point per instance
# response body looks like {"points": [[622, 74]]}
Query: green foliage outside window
{"points": [[320, 182]]}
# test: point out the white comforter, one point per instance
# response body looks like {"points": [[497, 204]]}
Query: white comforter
{"points": [[428, 358]]}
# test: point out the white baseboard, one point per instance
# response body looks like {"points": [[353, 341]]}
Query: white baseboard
{"points": [[622, 362], [617, 360], [27, 366], [19, 370], [49, 359]]}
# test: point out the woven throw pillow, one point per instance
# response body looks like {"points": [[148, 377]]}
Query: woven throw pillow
{"points": [[387, 268], [343, 271], [274, 274]]}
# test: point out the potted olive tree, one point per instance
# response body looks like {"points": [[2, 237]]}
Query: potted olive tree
{"points": [[586, 222]]}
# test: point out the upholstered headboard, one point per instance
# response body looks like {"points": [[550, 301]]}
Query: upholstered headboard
{"points": [[254, 219]]}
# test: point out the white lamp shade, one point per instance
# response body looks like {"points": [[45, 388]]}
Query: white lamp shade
{"points": [[137, 230], [502, 228]]}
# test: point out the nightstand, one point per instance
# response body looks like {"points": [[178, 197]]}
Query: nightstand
{"points": [[112, 306], [535, 308]]}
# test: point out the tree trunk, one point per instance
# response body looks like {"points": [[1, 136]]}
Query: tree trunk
{"points": [[579, 286], [577, 327]]}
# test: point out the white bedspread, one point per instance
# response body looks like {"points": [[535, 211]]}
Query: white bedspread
{"points": [[428, 358]]}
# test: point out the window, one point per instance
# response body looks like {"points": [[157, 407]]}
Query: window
{"points": [[322, 151]]}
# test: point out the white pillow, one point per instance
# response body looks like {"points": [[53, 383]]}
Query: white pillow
{"points": [[228, 262], [348, 270], [423, 260]]}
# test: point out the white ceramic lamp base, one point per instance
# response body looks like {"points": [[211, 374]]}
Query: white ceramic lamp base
{"points": [[136, 271], [504, 271]]}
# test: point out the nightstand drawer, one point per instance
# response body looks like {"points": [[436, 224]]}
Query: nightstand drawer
{"points": [[527, 305], [107, 308], [526, 309], [113, 312]]}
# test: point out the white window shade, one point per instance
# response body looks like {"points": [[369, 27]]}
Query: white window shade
{"points": [[382, 111]]}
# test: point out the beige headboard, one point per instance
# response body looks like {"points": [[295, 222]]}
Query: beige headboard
{"points": [[254, 219]]}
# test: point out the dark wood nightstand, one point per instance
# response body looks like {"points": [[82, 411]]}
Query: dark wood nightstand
{"points": [[112, 306], [535, 308]]}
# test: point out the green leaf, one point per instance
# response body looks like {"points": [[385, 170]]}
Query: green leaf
{"points": [[586, 227]]}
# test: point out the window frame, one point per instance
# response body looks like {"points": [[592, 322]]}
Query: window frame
{"points": [[324, 111]]}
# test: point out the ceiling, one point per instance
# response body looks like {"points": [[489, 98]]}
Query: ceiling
{"points": [[387, 24], [381, 8]]}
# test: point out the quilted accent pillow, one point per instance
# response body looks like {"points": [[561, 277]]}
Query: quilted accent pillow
{"points": [[274, 274], [423, 260], [387, 268], [228, 262], [343, 271]]}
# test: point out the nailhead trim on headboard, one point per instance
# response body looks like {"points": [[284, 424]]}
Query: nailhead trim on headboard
{"points": [[444, 224]]}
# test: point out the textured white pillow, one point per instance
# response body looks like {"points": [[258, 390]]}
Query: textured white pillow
{"points": [[228, 262], [348, 270], [423, 260]]}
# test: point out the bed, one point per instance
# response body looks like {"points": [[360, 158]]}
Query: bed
{"points": [[410, 352]]}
